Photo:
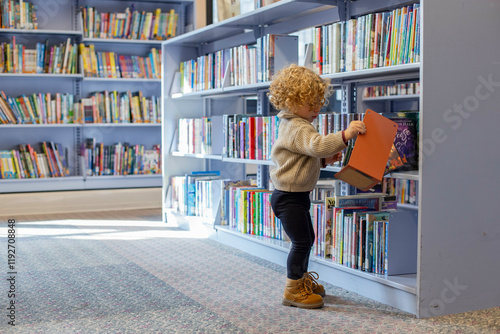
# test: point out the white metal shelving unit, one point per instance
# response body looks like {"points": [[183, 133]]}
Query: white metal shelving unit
{"points": [[457, 235], [58, 22]]}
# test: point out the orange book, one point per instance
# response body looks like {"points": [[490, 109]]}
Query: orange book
{"points": [[58, 108], [371, 151], [45, 150]]}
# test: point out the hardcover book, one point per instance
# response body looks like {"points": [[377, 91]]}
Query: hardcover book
{"points": [[370, 153], [406, 141]]}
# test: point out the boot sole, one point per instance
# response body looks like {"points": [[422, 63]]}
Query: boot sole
{"points": [[287, 302]]}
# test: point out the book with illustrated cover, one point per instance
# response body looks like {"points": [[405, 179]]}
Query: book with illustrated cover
{"points": [[395, 161], [406, 141]]}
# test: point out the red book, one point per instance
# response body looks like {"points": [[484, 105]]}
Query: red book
{"points": [[251, 138]]}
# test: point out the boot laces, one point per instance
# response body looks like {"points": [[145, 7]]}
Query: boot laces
{"points": [[312, 276], [307, 286]]}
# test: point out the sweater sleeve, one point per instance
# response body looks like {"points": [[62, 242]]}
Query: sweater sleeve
{"points": [[308, 141]]}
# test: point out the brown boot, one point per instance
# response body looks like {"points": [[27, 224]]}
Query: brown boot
{"points": [[316, 287], [299, 293]]}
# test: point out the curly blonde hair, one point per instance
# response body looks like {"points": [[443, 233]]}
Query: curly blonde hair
{"points": [[294, 86]]}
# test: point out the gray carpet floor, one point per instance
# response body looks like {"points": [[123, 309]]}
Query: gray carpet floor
{"points": [[127, 272]]}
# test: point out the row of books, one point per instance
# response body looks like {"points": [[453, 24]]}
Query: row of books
{"points": [[245, 137], [325, 187], [373, 40], [396, 90], [247, 209], [252, 137], [369, 41], [243, 206], [56, 59], [354, 238], [49, 161], [112, 65], [119, 159], [196, 194], [41, 108], [195, 135], [356, 231], [132, 24], [243, 65], [405, 191], [116, 107], [249, 137], [100, 107], [186, 193], [332, 122], [17, 15], [323, 215]]}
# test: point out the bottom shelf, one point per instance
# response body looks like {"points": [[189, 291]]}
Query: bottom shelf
{"points": [[123, 181], [41, 184], [397, 291], [79, 183]]}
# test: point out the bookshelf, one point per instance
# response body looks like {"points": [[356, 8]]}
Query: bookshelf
{"points": [[72, 136], [456, 232]]}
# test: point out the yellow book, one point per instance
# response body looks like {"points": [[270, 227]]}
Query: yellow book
{"points": [[155, 63], [157, 18], [171, 19], [146, 31], [112, 64], [137, 108], [49, 109], [16, 165], [145, 109], [83, 57], [8, 62], [10, 165], [93, 60], [2, 168]]}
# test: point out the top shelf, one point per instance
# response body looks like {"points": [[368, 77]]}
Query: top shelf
{"points": [[279, 12]]}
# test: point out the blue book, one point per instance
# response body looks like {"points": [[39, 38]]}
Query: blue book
{"points": [[190, 192]]}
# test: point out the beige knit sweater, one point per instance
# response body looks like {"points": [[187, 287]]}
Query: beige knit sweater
{"points": [[298, 151]]}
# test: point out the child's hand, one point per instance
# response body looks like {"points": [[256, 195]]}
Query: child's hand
{"points": [[333, 159], [354, 128]]}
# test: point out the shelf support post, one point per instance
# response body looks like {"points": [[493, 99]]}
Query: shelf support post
{"points": [[262, 110]]}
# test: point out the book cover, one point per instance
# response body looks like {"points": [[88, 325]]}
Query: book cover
{"points": [[395, 161], [370, 153], [406, 140], [372, 201]]}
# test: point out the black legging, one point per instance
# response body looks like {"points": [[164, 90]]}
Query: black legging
{"points": [[292, 208]]}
